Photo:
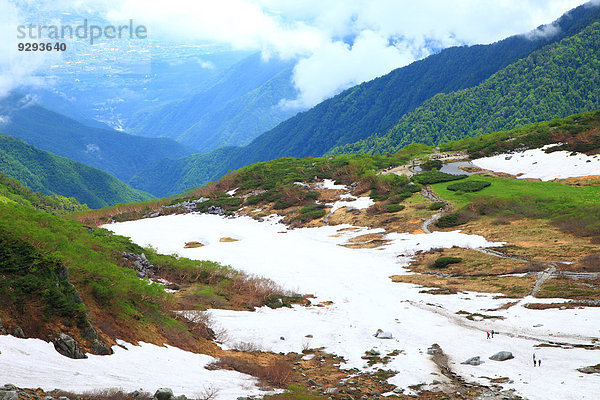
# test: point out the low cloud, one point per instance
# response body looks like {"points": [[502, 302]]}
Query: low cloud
{"points": [[335, 43]]}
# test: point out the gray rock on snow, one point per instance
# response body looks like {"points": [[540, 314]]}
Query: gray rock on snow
{"points": [[380, 334], [164, 394], [18, 332], [502, 356], [67, 346], [473, 361]]}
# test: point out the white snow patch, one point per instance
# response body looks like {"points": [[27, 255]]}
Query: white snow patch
{"points": [[35, 363], [231, 192], [330, 184], [537, 164], [347, 200]]}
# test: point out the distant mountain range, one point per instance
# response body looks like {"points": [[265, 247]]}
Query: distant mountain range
{"points": [[119, 154], [374, 108], [241, 105], [45, 172]]}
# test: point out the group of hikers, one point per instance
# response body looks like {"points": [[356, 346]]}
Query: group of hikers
{"points": [[538, 362]]}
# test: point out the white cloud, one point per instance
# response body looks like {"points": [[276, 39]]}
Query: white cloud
{"points": [[17, 67], [337, 43]]}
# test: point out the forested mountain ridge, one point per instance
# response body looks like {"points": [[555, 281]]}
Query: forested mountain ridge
{"points": [[559, 80], [116, 153], [50, 174], [376, 106]]}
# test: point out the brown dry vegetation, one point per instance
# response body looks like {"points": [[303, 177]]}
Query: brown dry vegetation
{"points": [[509, 286]]}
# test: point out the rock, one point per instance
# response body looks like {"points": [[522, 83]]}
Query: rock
{"points": [[48, 398], [100, 348], [372, 352], [380, 334], [9, 387], [90, 333], [281, 338], [67, 346], [18, 332], [590, 370], [311, 382], [502, 356], [433, 350], [473, 361], [63, 398], [9, 395], [562, 308], [164, 394]]}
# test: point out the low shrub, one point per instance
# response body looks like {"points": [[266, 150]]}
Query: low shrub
{"points": [[392, 208], [468, 186], [436, 205], [443, 262], [431, 165], [431, 177]]}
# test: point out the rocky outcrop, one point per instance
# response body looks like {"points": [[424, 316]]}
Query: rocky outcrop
{"points": [[502, 356], [9, 392], [140, 264], [67, 346], [18, 332]]}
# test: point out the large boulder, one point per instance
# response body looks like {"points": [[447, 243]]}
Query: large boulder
{"points": [[473, 361], [67, 346], [502, 356], [164, 394], [8, 395]]}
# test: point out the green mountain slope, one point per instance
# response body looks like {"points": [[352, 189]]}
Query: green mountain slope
{"points": [[119, 154], [376, 106], [387, 99], [50, 174], [13, 192], [556, 81]]}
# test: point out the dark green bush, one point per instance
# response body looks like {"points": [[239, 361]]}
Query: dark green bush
{"points": [[391, 208], [436, 205], [431, 164], [431, 177], [468, 186], [443, 262], [449, 220]]}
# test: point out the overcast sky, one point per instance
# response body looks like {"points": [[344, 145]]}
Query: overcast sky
{"points": [[336, 43]]}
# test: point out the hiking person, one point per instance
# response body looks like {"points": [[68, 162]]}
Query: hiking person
{"points": [[492, 333], [488, 334], [534, 359], [539, 363]]}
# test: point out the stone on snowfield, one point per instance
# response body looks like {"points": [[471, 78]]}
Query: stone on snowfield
{"points": [[380, 334], [164, 394], [473, 361], [502, 356], [67, 346]]}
